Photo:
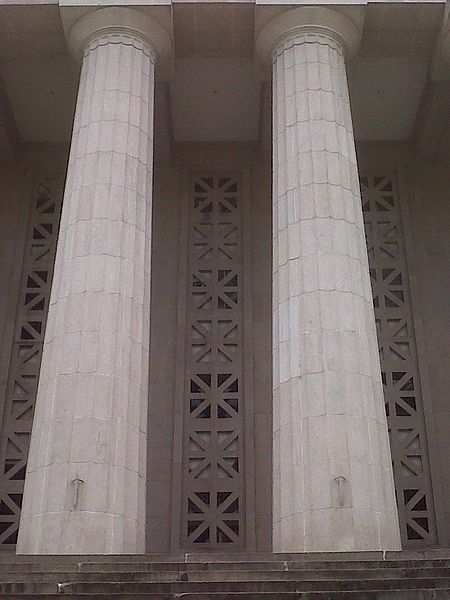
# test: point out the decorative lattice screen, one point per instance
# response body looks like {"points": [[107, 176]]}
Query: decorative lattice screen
{"points": [[25, 361], [213, 458], [400, 374]]}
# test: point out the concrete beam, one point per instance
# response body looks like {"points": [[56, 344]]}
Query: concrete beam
{"points": [[9, 134], [433, 120]]}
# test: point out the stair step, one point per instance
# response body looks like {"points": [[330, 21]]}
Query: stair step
{"points": [[87, 566], [225, 576], [427, 594], [114, 588], [212, 557], [322, 576]]}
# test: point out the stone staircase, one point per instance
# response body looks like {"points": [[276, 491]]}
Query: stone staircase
{"points": [[351, 576]]}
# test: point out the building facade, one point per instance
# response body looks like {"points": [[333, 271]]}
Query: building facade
{"points": [[224, 291]]}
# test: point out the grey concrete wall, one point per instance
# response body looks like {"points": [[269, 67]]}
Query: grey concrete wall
{"points": [[425, 199], [17, 181], [163, 335], [429, 268], [426, 202], [261, 231], [14, 206], [165, 265]]}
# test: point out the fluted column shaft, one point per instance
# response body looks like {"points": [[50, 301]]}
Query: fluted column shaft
{"points": [[85, 485], [333, 484]]}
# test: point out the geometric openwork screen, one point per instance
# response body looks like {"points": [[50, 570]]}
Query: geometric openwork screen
{"points": [[215, 405], [212, 501], [399, 366], [26, 352]]}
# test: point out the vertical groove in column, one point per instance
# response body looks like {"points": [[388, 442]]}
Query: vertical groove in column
{"points": [[333, 486], [85, 486]]}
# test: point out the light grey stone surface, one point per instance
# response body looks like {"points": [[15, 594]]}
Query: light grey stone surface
{"points": [[333, 484], [32, 83], [85, 486]]}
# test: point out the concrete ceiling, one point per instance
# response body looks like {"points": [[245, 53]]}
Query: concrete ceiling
{"points": [[42, 92], [401, 29], [385, 94], [215, 92], [30, 31], [215, 99], [213, 30]]}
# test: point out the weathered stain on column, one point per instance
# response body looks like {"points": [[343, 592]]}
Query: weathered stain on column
{"points": [[86, 476], [333, 485]]}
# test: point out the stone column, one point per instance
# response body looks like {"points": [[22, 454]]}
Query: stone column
{"points": [[333, 485], [86, 476]]}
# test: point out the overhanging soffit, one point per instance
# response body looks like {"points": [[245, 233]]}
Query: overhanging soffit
{"points": [[431, 134], [398, 79]]}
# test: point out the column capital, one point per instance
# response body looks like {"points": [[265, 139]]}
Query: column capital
{"points": [[308, 20], [117, 21]]}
